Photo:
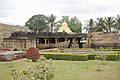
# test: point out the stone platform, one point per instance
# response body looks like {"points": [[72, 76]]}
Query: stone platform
{"points": [[11, 55]]}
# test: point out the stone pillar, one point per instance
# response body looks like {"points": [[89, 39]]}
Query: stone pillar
{"points": [[10, 45], [48, 41], [74, 40], [37, 40], [34, 43], [45, 41], [65, 39], [88, 41], [56, 40], [25, 43]]}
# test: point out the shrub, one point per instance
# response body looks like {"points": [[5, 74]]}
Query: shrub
{"points": [[91, 56], [118, 53], [62, 45], [41, 71], [24, 49], [61, 49], [103, 56], [112, 57], [33, 54], [71, 57]]}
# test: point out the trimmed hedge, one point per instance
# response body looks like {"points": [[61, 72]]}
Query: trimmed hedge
{"points": [[71, 57], [112, 57], [118, 53], [107, 56], [80, 57], [91, 56]]}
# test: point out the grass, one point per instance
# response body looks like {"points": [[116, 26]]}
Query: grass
{"points": [[70, 70]]}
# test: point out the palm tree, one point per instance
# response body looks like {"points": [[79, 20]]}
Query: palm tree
{"points": [[109, 23], [51, 20], [117, 24], [100, 25], [89, 26], [75, 25], [105, 24]]}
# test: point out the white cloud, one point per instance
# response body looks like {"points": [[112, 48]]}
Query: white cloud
{"points": [[19, 11]]}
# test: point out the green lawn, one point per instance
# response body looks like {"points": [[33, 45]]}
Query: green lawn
{"points": [[70, 70]]}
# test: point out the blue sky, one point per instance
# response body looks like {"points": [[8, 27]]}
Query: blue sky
{"points": [[19, 11]]}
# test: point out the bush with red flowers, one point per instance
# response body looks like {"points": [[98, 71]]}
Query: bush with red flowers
{"points": [[33, 54]]}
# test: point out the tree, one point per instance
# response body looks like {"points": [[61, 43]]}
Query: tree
{"points": [[109, 23], [51, 20], [106, 24], [57, 25], [100, 25], [37, 22], [89, 26], [65, 18], [117, 24], [73, 23]]}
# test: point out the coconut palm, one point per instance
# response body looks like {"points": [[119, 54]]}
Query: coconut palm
{"points": [[117, 24], [100, 25], [75, 25], [106, 24], [89, 26], [51, 20], [109, 23]]}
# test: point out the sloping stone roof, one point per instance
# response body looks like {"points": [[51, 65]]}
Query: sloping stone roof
{"points": [[104, 38], [65, 28]]}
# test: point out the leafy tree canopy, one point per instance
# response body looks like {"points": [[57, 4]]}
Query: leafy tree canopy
{"points": [[103, 24], [73, 22], [37, 22]]}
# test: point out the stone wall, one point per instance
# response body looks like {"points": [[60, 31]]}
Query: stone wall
{"points": [[103, 39], [18, 43], [6, 30]]}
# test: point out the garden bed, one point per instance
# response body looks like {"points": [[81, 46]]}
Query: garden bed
{"points": [[11, 55]]}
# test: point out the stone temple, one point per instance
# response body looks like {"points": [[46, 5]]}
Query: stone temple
{"points": [[23, 38]]}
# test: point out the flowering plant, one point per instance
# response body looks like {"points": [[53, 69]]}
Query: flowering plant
{"points": [[33, 54]]}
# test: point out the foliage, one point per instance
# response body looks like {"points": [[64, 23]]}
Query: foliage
{"points": [[71, 57], [42, 71], [91, 56], [51, 20], [62, 45], [37, 22], [33, 54], [118, 53], [112, 57], [117, 24], [105, 49], [61, 49], [73, 22], [75, 25], [89, 26], [24, 49], [103, 24]]}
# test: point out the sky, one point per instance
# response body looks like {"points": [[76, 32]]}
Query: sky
{"points": [[19, 11]]}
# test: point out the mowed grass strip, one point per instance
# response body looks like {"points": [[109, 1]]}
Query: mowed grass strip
{"points": [[70, 70]]}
